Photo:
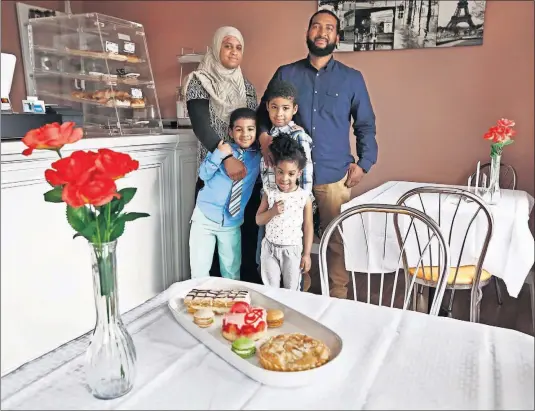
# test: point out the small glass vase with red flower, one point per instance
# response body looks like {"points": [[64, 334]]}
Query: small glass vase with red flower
{"points": [[86, 182], [500, 135]]}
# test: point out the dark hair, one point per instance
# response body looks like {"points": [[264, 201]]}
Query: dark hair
{"points": [[281, 88], [239, 113], [330, 13], [285, 148]]}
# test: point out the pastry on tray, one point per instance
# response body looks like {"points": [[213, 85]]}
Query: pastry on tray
{"points": [[204, 318], [112, 98], [275, 318], [79, 94], [219, 301], [85, 53], [244, 347], [132, 59], [293, 352], [137, 103], [116, 57], [244, 321]]}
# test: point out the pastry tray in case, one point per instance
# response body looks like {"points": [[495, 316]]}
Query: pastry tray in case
{"points": [[294, 322]]}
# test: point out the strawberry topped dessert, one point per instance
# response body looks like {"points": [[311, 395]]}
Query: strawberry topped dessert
{"points": [[244, 321]]}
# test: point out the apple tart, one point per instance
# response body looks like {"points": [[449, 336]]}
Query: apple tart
{"points": [[293, 352]]}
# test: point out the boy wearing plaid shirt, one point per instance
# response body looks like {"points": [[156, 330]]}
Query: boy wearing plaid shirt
{"points": [[281, 101]]}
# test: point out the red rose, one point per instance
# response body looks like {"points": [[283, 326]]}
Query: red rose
{"points": [[96, 192], [51, 137], [114, 165], [489, 135], [506, 123], [500, 138], [75, 169], [500, 133]]}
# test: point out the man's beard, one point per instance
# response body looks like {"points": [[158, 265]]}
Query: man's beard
{"points": [[320, 51]]}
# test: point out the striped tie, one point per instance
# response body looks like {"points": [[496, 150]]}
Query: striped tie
{"points": [[235, 194]]}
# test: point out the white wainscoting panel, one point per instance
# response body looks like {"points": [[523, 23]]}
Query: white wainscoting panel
{"points": [[46, 284]]}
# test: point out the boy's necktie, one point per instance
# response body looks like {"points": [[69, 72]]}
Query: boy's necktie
{"points": [[235, 193]]}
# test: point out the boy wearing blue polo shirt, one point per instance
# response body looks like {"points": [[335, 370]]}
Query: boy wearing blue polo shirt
{"points": [[221, 203]]}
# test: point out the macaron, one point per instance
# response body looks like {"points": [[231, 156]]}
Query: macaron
{"points": [[275, 318], [204, 317], [244, 347]]}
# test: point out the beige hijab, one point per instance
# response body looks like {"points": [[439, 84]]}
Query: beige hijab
{"points": [[225, 87]]}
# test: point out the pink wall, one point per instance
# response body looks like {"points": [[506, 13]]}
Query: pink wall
{"points": [[432, 106], [11, 40]]}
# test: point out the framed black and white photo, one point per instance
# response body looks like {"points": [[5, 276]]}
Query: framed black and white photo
{"points": [[367, 25]]}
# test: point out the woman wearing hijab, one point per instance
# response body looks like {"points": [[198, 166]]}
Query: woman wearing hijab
{"points": [[213, 91]]}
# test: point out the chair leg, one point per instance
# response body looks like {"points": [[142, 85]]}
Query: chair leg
{"points": [[450, 305], [532, 295], [475, 306], [498, 290], [415, 298]]}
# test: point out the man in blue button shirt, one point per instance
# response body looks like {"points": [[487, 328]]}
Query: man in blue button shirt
{"points": [[330, 95]]}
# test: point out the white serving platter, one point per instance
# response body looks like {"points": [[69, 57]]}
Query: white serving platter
{"points": [[294, 322]]}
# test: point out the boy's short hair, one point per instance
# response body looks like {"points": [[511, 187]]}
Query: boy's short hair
{"points": [[285, 148], [239, 113], [281, 88]]}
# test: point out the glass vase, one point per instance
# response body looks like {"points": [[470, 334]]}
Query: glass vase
{"points": [[111, 356], [493, 192]]}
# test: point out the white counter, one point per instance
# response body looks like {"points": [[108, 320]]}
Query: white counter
{"points": [[47, 296]]}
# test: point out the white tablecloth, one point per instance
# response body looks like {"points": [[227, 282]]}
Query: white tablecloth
{"points": [[510, 255], [395, 360]]}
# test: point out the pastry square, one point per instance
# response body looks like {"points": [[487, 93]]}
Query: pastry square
{"points": [[219, 301]]}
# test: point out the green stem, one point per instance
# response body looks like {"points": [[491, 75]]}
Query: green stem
{"points": [[99, 239], [59, 153], [108, 220], [105, 280]]}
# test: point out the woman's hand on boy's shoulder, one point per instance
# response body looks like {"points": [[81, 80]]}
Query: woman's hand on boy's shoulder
{"points": [[225, 148]]}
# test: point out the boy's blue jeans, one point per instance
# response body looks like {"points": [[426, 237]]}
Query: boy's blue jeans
{"points": [[202, 239]]}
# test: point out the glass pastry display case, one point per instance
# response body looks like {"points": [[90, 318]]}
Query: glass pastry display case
{"points": [[99, 65]]}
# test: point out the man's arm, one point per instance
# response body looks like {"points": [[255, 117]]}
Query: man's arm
{"points": [[364, 125]]}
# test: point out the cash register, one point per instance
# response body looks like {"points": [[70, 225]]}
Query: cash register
{"points": [[14, 126]]}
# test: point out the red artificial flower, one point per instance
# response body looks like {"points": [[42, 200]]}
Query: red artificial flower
{"points": [[82, 183], [502, 132], [114, 165], [75, 169], [97, 192], [506, 123], [51, 137]]}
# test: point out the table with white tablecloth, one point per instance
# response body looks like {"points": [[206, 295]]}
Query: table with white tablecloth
{"points": [[393, 359], [510, 255]]}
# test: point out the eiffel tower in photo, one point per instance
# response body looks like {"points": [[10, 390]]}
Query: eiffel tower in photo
{"points": [[461, 15]]}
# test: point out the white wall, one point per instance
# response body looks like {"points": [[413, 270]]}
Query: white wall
{"points": [[46, 278]]}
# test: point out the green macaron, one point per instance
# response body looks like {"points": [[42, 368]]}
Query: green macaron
{"points": [[244, 347]]}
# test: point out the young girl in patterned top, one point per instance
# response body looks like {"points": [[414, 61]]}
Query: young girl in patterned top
{"points": [[286, 211]]}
